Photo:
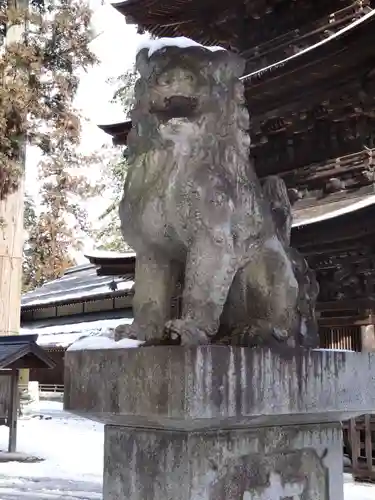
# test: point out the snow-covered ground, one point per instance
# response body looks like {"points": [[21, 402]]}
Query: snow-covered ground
{"points": [[73, 452], [73, 449]]}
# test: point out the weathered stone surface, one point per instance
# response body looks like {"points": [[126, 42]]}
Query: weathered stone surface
{"points": [[307, 333], [290, 463], [216, 422], [193, 208], [218, 387]]}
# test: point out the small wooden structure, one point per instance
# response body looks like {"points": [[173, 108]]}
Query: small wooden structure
{"points": [[81, 303], [359, 441], [18, 352]]}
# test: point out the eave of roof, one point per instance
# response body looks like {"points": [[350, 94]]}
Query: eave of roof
{"points": [[77, 285], [323, 212], [116, 128], [21, 351], [101, 257]]}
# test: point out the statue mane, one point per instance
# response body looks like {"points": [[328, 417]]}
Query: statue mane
{"points": [[196, 107]]}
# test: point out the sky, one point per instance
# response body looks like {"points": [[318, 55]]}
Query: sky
{"points": [[115, 46]]}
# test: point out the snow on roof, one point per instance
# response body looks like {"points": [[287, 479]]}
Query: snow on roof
{"points": [[81, 293], [95, 343], [63, 335], [179, 41], [77, 284], [104, 254], [333, 350]]}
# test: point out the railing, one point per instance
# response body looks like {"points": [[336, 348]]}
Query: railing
{"points": [[56, 388], [51, 388]]}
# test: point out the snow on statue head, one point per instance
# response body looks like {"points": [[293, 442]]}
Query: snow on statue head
{"points": [[193, 208], [181, 92]]}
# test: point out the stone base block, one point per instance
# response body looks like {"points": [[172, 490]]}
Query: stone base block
{"points": [[217, 423], [272, 463]]}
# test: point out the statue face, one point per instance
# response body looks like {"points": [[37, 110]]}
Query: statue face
{"points": [[174, 92], [185, 82]]}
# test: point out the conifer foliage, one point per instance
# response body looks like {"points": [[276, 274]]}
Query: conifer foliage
{"points": [[109, 236], [39, 79]]}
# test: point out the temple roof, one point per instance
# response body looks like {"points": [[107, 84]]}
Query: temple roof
{"points": [[119, 131], [79, 284], [332, 209], [318, 104], [242, 24], [21, 351]]}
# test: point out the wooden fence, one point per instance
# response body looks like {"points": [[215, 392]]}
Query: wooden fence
{"points": [[359, 434], [359, 445], [340, 337]]}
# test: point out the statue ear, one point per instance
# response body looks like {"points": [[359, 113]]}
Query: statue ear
{"points": [[142, 63], [226, 65]]}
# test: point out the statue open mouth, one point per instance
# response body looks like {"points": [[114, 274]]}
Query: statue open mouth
{"points": [[177, 106]]}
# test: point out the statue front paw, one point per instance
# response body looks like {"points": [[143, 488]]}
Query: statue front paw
{"points": [[186, 331], [128, 332], [149, 335]]}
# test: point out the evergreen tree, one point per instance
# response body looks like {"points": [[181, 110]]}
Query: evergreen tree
{"points": [[30, 220], [109, 236], [39, 80]]}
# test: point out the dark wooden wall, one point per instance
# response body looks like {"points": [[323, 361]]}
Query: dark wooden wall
{"points": [[54, 376]]}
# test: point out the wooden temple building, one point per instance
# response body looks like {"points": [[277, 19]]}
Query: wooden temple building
{"points": [[83, 302], [310, 89]]}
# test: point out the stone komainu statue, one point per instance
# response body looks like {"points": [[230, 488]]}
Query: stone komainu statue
{"points": [[194, 210]]}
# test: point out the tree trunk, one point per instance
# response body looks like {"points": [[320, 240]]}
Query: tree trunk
{"points": [[11, 245], [11, 237]]}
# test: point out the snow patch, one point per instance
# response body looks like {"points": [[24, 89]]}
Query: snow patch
{"points": [[333, 350], [180, 41], [105, 254], [95, 343], [63, 335], [81, 327]]}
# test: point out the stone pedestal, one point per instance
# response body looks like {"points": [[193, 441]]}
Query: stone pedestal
{"points": [[218, 422]]}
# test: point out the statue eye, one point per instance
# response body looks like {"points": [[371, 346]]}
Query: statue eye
{"points": [[189, 77], [165, 79], [178, 76]]}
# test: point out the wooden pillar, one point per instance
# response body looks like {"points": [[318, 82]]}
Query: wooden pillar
{"points": [[11, 227], [11, 246], [12, 420]]}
